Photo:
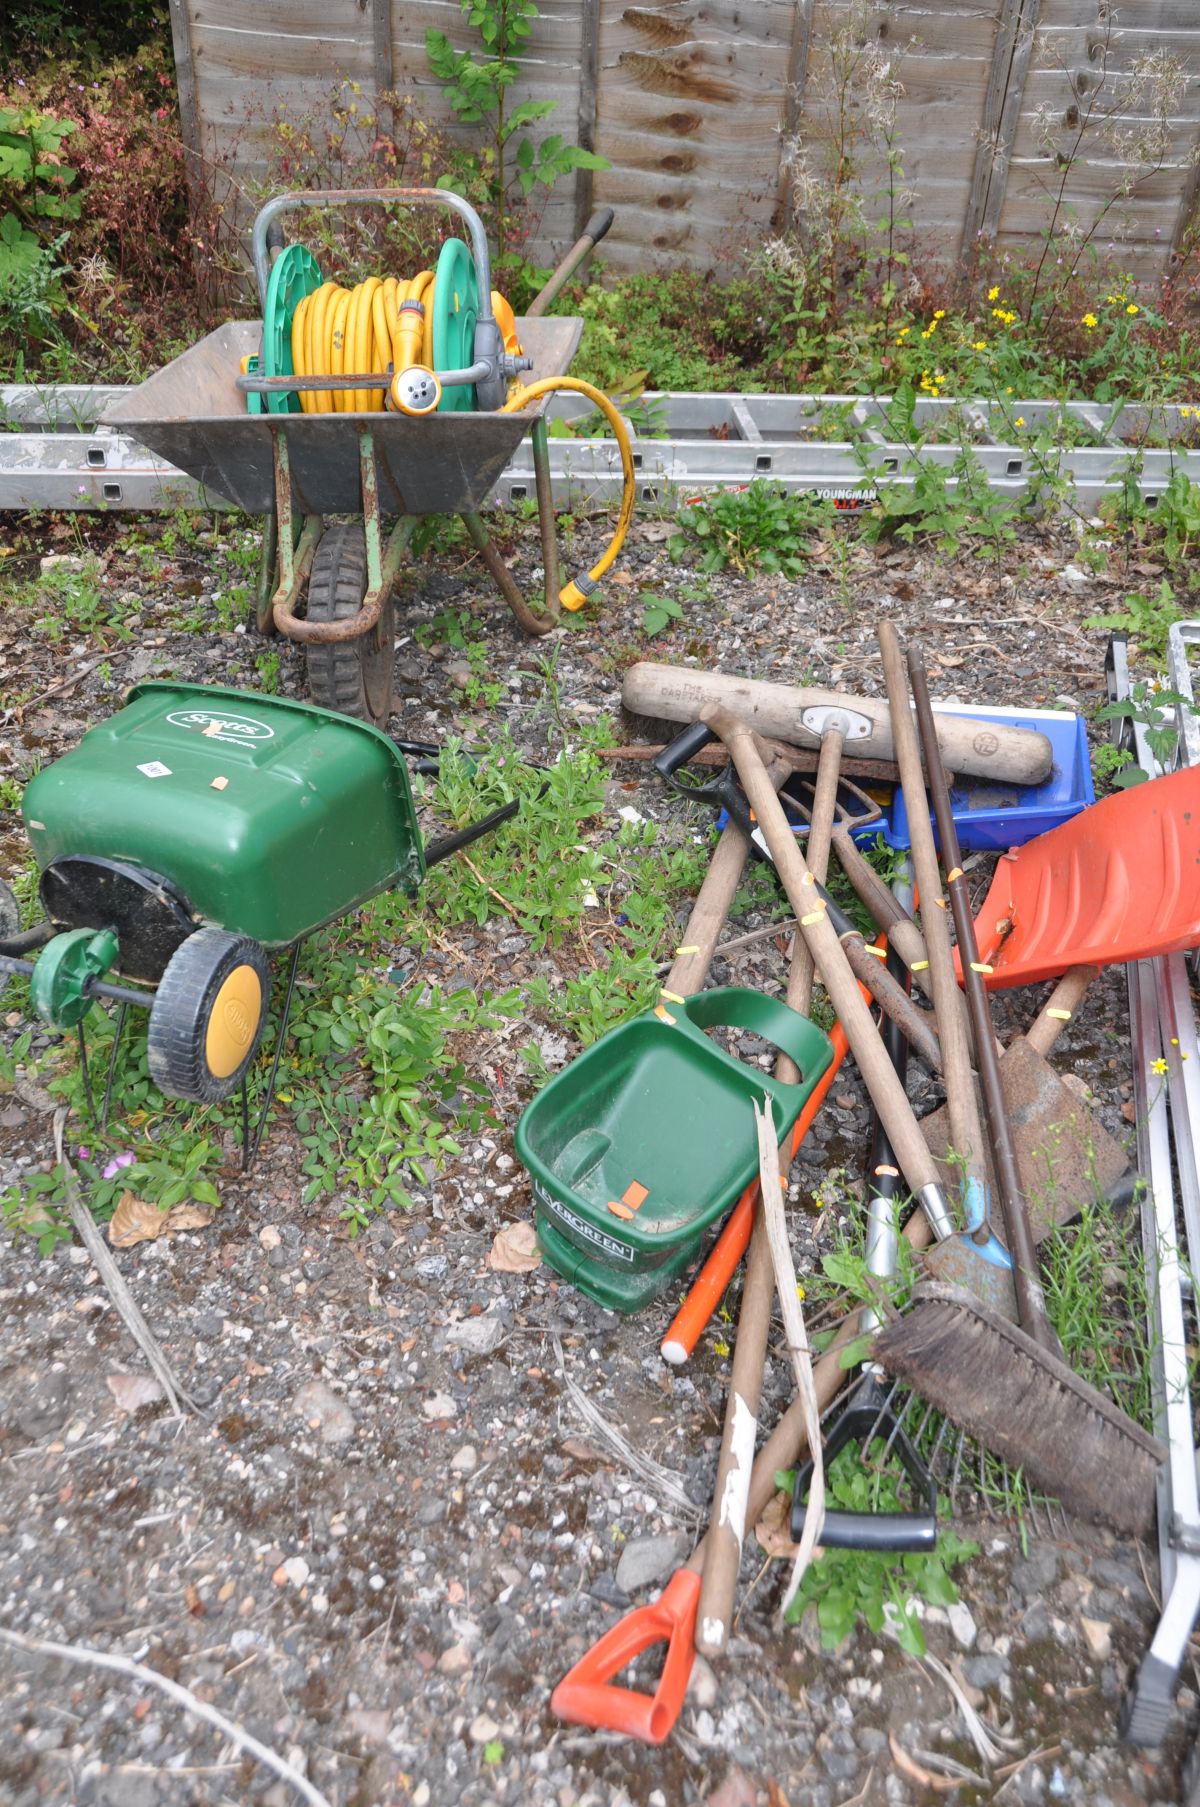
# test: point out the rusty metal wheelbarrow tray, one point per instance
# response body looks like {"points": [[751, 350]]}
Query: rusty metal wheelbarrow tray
{"points": [[192, 413]]}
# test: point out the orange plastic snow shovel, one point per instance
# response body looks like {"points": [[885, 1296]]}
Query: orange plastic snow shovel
{"points": [[1120, 881]]}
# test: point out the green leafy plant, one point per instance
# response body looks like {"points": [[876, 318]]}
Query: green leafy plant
{"points": [[1170, 527], [33, 168], [947, 504], [759, 528], [477, 91], [847, 1586], [1156, 710], [1146, 619], [267, 668], [658, 612]]}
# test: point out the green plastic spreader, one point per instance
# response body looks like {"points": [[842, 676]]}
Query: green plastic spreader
{"points": [[638, 1146]]}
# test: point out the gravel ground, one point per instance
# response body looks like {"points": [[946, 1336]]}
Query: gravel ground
{"points": [[388, 1531]]}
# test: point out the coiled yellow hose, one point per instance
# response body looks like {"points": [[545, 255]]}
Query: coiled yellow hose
{"points": [[574, 594], [380, 322], [346, 332]]}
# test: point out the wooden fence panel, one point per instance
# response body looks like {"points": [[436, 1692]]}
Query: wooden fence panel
{"points": [[1085, 59], [690, 100], [701, 105]]}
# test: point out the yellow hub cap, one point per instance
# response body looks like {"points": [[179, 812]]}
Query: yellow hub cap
{"points": [[233, 1022]]}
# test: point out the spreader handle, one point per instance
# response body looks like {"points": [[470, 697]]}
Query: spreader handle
{"points": [[737, 1007]]}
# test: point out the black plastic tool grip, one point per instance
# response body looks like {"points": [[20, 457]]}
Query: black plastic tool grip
{"points": [[909, 1533], [599, 224], [684, 747]]}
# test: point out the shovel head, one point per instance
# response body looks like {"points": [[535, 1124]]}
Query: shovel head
{"points": [[1065, 1156]]}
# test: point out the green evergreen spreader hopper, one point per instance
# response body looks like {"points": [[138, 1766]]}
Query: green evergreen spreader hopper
{"points": [[189, 837], [637, 1147]]}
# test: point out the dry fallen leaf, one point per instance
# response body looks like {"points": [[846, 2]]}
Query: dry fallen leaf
{"points": [[515, 1250], [916, 1772], [582, 1451], [193, 1601], [133, 1391], [188, 1217], [774, 1529], [135, 1221]]}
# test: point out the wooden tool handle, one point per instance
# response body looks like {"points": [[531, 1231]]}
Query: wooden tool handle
{"points": [[678, 694], [1031, 1299], [887, 1093], [727, 1522], [966, 1130], [1060, 1007]]}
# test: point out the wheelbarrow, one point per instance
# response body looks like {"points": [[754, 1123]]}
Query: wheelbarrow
{"points": [[229, 413], [184, 842]]}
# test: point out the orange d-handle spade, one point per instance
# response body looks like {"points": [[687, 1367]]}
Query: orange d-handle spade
{"points": [[587, 1697]]}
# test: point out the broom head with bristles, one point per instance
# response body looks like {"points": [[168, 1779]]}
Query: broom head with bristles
{"points": [[1025, 1406]]}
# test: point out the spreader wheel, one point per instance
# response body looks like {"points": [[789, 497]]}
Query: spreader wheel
{"points": [[207, 1016], [353, 676]]}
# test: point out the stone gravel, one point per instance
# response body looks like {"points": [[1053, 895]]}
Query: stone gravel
{"points": [[390, 1532]]}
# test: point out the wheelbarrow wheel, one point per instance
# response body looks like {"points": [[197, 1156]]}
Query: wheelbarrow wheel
{"points": [[207, 1016], [352, 676]]}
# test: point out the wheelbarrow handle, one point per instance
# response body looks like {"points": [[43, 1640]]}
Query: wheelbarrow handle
{"points": [[373, 197]]}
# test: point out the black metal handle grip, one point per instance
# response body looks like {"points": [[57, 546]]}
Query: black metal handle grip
{"points": [[599, 224], [684, 747], [911, 1533]]}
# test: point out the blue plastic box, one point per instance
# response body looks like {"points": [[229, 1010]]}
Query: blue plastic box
{"points": [[993, 817]]}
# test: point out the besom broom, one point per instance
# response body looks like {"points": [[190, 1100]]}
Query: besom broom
{"points": [[1006, 1384]]}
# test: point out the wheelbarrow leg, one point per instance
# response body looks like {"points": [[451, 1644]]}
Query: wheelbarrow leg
{"points": [[506, 583], [540, 442], [295, 546], [264, 595], [86, 1071]]}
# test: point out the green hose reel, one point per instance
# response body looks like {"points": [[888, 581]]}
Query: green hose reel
{"points": [[455, 311], [296, 273]]}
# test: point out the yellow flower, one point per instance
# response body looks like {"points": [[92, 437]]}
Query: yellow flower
{"points": [[800, 1292], [903, 334], [1158, 1066], [979, 345], [722, 1349], [1133, 308], [1008, 391], [993, 294], [939, 313], [1019, 421], [1089, 320]]}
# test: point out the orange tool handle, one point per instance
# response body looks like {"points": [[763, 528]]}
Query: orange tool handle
{"points": [[708, 1288], [586, 1696]]}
